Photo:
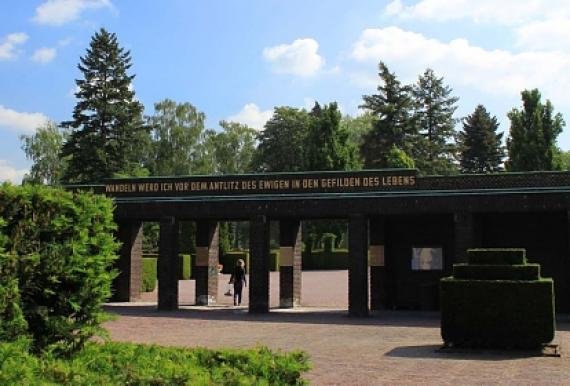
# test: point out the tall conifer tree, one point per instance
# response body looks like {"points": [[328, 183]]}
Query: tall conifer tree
{"points": [[107, 126], [435, 151], [480, 144], [393, 126], [534, 129]]}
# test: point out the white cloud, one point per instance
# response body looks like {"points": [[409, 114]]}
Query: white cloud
{"points": [[505, 12], [252, 116], [298, 58], [59, 12], [44, 55], [10, 173], [498, 72], [20, 122], [548, 34], [8, 45]]}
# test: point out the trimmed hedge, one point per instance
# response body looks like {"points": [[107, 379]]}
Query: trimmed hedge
{"points": [[497, 313], [149, 274], [185, 270], [320, 259], [138, 364], [494, 304], [499, 256], [59, 254], [497, 272]]}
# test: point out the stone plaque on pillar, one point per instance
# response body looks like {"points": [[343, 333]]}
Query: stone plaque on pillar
{"points": [[376, 254]]}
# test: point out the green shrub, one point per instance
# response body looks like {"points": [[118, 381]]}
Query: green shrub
{"points": [[497, 313], [274, 260], [136, 364], [319, 259], [149, 274], [499, 256], [496, 272], [64, 246], [185, 270]]}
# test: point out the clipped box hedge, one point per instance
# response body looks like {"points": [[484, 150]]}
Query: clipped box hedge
{"points": [[149, 274], [325, 260], [496, 256], [488, 303]]}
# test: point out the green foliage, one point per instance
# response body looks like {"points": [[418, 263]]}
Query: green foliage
{"points": [[319, 259], [496, 272], [328, 146], [480, 144], [497, 300], [185, 270], [435, 151], [108, 134], [499, 256], [176, 131], [281, 144], [135, 364], [357, 127], [398, 159], [497, 313], [63, 247], [149, 274], [393, 124], [43, 149], [534, 129], [234, 148]]}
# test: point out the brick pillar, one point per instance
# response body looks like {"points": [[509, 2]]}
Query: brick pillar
{"points": [[207, 258], [358, 265], [259, 265], [168, 267], [464, 237], [378, 275], [290, 263], [127, 285]]}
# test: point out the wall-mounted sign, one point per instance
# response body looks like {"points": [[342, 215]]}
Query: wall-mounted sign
{"points": [[278, 183]]}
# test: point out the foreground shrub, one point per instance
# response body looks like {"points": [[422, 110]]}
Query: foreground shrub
{"points": [[135, 364], [489, 303], [56, 269]]}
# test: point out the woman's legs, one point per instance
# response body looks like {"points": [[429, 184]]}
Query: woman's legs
{"points": [[238, 286]]}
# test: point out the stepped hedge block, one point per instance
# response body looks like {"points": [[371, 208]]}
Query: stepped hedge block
{"points": [[497, 301]]}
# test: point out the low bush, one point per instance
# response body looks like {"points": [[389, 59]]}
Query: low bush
{"points": [[136, 364], [185, 270], [319, 259], [496, 272], [499, 256], [59, 251]]}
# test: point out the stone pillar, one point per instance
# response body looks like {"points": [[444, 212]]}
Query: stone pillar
{"points": [[168, 266], [127, 285], [207, 259], [259, 265], [464, 237], [358, 265], [378, 275], [290, 263]]}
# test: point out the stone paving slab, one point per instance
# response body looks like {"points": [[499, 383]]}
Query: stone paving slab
{"points": [[387, 348]]}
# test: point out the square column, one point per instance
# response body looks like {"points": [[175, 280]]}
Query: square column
{"points": [[168, 265], [259, 265], [378, 275], [358, 265], [464, 237], [207, 259], [290, 263], [127, 285]]}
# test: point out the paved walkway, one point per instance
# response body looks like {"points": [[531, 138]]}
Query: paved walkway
{"points": [[387, 348]]}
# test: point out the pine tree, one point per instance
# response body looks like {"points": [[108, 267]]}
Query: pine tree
{"points": [[393, 126], [533, 133], [107, 129], [435, 150], [480, 144]]}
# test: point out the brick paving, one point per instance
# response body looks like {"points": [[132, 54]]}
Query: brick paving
{"points": [[387, 348]]}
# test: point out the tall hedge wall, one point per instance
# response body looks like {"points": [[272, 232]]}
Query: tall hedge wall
{"points": [[56, 265]]}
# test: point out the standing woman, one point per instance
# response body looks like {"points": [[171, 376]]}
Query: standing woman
{"points": [[238, 280]]}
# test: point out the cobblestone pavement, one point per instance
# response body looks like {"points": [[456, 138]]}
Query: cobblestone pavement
{"points": [[387, 348]]}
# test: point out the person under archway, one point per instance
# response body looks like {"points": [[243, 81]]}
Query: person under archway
{"points": [[238, 280]]}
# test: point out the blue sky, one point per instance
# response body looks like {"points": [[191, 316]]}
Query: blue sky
{"points": [[239, 59]]}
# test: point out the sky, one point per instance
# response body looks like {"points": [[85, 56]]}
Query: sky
{"points": [[237, 60]]}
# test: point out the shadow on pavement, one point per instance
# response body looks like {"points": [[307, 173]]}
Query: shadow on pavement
{"points": [[303, 315], [436, 351]]}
